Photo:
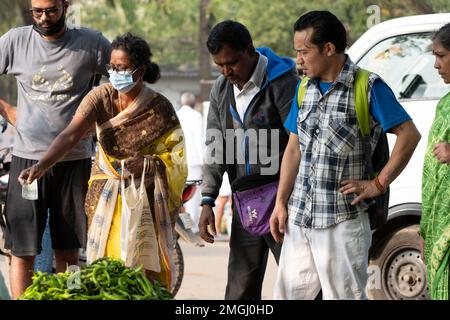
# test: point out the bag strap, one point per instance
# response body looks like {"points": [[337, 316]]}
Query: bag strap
{"points": [[362, 101], [362, 114], [302, 91], [361, 86]]}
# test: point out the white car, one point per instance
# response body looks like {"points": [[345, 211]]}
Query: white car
{"points": [[400, 51]]}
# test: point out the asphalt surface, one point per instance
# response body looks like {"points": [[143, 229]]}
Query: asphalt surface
{"points": [[205, 272]]}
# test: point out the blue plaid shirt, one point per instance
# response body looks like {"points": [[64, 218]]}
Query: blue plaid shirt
{"points": [[332, 151]]}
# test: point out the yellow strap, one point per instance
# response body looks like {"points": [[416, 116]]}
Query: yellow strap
{"points": [[98, 177], [104, 176], [108, 164], [302, 91]]}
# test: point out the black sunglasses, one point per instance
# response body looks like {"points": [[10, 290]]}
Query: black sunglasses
{"points": [[51, 12]]}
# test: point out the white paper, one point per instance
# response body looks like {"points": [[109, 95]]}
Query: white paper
{"points": [[186, 219], [30, 191]]}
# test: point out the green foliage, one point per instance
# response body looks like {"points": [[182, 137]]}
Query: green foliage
{"points": [[172, 26]]}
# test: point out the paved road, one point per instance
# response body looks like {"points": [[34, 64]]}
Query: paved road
{"points": [[205, 273]]}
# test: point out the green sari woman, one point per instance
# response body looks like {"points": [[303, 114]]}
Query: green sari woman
{"points": [[435, 222]]}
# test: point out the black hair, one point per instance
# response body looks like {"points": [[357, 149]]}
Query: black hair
{"points": [[327, 28], [230, 33], [443, 36], [139, 53]]}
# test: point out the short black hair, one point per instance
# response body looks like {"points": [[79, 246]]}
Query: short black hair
{"points": [[230, 33], [139, 54], [443, 36], [327, 28]]}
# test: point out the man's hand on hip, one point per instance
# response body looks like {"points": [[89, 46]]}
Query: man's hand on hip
{"points": [[364, 189]]}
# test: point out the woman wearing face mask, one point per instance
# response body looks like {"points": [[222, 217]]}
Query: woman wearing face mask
{"points": [[435, 220], [138, 135]]}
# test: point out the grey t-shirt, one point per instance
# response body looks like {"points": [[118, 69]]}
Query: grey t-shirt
{"points": [[53, 77]]}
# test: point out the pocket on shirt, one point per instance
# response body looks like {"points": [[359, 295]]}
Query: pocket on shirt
{"points": [[303, 129], [341, 135]]}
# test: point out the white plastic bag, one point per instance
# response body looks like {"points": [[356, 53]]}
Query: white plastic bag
{"points": [[139, 244]]}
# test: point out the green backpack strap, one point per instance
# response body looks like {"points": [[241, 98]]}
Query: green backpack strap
{"points": [[362, 101], [302, 91]]}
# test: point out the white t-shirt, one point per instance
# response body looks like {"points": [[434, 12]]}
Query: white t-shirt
{"points": [[192, 124]]}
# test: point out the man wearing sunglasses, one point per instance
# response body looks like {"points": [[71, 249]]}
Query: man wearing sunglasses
{"points": [[55, 65]]}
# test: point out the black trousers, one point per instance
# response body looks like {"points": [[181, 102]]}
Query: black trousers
{"points": [[247, 262]]}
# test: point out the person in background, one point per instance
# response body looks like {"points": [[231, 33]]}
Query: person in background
{"points": [[435, 219], [192, 124], [221, 216], [55, 66]]}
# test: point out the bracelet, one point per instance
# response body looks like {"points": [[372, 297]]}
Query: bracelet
{"points": [[379, 186]]}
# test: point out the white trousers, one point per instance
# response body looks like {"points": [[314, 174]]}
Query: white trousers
{"points": [[334, 260], [193, 205]]}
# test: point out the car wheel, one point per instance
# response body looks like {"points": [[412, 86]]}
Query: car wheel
{"points": [[398, 272]]}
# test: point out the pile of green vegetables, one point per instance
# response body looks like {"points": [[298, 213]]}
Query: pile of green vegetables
{"points": [[104, 279]]}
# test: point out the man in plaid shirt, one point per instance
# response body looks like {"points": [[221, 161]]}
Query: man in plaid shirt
{"points": [[321, 210]]}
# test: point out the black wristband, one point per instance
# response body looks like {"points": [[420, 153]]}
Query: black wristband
{"points": [[208, 201]]}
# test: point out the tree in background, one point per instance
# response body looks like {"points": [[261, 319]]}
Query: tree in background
{"points": [[177, 29]]}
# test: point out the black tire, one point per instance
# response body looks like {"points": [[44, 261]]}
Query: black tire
{"points": [[398, 272], [179, 266]]}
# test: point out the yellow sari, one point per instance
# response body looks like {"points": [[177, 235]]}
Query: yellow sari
{"points": [[149, 127]]}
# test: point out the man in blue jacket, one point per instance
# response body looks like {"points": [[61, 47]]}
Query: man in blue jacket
{"points": [[253, 97]]}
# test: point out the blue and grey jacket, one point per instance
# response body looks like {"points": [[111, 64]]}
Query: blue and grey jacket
{"points": [[253, 146]]}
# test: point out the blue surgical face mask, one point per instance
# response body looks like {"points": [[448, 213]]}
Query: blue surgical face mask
{"points": [[122, 82]]}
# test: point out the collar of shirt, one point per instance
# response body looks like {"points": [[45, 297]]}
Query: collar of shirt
{"points": [[257, 77], [346, 76]]}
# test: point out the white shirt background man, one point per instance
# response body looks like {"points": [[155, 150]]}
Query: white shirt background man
{"points": [[192, 125]]}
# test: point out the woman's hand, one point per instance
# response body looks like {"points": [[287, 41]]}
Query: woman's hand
{"points": [[135, 165], [442, 152], [30, 174]]}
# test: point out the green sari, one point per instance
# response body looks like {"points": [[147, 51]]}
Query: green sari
{"points": [[435, 221]]}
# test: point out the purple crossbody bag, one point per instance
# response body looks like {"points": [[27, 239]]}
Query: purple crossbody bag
{"points": [[255, 207]]}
